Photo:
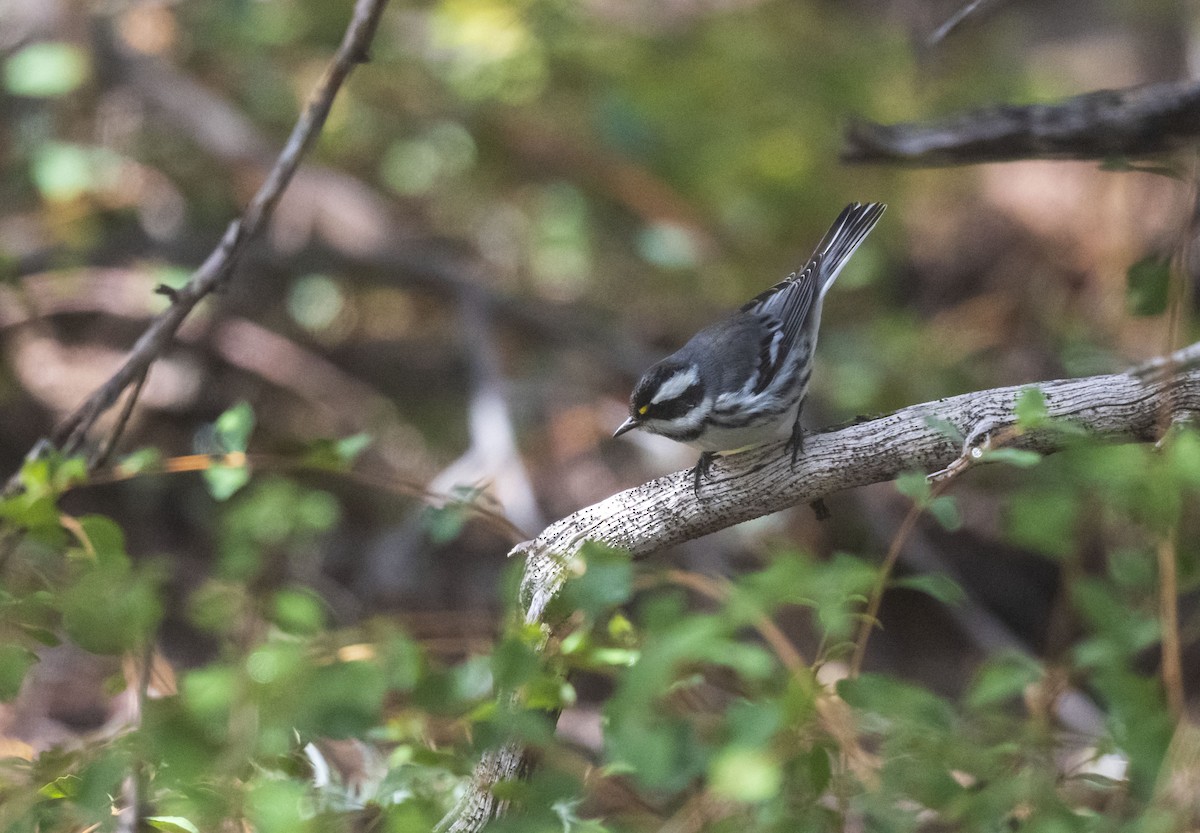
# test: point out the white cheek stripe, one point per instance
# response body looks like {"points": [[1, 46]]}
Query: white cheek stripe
{"points": [[675, 385]]}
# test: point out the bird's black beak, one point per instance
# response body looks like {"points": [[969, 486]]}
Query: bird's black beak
{"points": [[627, 425]]}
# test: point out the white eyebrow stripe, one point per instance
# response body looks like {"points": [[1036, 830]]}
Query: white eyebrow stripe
{"points": [[675, 385]]}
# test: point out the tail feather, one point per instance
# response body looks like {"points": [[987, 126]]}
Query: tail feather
{"points": [[793, 300], [792, 307], [845, 235]]}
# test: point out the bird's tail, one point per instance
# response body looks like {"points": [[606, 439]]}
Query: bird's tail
{"points": [[844, 236]]}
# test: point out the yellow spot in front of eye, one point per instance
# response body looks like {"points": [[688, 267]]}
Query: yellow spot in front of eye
{"points": [[642, 410]]}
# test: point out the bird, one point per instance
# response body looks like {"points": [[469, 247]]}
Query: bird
{"points": [[741, 381]]}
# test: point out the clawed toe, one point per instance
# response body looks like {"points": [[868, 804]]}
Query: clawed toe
{"points": [[701, 470], [796, 442]]}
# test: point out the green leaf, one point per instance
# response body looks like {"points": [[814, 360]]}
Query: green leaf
{"points": [[753, 723], [1043, 520], [278, 806], [514, 663], [218, 607], [172, 824], [15, 662], [62, 787], [36, 514], [603, 580], [144, 459], [1030, 408], [900, 701], [402, 661], [819, 769], [1183, 454], [45, 70], [661, 750], [944, 510], [938, 585], [63, 172], [315, 302], [1019, 457], [336, 455], [343, 700], [445, 523], [106, 539], [1148, 284], [225, 481], [66, 472], [298, 611], [45, 636], [229, 435], [348, 448], [745, 774], [232, 429], [208, 692], [1002, 678], [915, 486], [109, 611]]}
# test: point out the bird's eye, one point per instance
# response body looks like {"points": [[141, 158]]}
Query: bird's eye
{"points": [[674, 407]]}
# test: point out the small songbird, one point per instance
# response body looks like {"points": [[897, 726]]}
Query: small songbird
{"points": [[741, 381]]}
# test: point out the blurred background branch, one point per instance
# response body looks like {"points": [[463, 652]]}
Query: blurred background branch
{"points": [[217, 268], [1103, 125]]}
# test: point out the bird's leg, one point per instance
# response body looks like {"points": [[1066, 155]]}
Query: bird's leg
{"points": [[701, 469], [796, 441], [796, 444]]}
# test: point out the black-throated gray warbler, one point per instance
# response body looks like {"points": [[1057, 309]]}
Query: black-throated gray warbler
{"points": [[741, 381]]}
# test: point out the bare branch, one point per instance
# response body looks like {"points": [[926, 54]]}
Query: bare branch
{"points": [[221, 262], [1106, 124], [1121, 407], [104, 453]]}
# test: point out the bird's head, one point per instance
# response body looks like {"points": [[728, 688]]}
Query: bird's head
{"points": [[667, 401]]}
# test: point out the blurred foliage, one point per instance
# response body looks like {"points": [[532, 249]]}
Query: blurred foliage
{"points": [[636, 165], [710, 712]]}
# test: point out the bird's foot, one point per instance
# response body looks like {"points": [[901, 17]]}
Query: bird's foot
{"points": [[796, 442], [701, 469]]}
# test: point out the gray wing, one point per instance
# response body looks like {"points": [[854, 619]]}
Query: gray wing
{"points": [[786, 307]]}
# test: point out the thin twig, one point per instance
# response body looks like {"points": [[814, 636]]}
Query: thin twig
{"points": [[219, 265], [871, 615], [985, 436], [1168, 578], [102, 455], [1168, 617], [141, 779], [191, 463], [954, 21]]}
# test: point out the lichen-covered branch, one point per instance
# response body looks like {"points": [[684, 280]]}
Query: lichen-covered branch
{"points": [[1123, 407]]}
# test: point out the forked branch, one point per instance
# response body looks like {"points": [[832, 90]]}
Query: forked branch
{"points": [[216, 269]]}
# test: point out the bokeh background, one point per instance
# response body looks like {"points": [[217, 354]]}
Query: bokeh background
{"points": [[515, 208]]}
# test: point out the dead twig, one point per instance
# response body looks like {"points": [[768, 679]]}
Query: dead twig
{"points": [[219, 265]]}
